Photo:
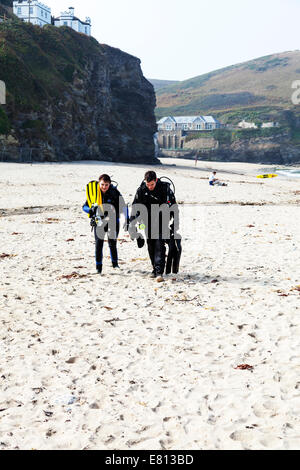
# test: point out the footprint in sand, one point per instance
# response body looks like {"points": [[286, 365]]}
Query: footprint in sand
{"points": [[267, 409], [244, 436], [271, 442]]}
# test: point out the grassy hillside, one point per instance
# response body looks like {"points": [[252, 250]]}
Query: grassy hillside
{"points": [[71, 98], [37, 63], [158, 84], [260, 88]]}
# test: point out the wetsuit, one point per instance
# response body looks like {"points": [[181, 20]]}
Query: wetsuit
{"points": [[162, 194], [113, 197]]}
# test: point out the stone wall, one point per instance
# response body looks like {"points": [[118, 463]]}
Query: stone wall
{"points": [[170, 139], [201, 144]]}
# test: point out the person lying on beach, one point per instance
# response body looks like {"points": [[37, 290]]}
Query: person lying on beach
{"points": [[213, 181]]}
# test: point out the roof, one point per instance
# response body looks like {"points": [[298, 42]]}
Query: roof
{"points": [[164, 119], [71, 17], [20, 3], [188, 119], [210, 119]]}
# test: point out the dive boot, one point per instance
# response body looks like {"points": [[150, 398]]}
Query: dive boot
{"points": [[99, 268]]}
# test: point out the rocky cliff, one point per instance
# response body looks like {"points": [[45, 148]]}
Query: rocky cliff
{"points": [[266, 150], [266, 146], [71, 98]]}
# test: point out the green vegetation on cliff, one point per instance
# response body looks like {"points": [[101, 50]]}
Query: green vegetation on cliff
{"points": [[4, 122], [71, 98], [38, 63], [8, 3], [227, 136], [157, 84]]}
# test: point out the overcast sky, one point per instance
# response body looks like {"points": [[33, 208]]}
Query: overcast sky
{"points": [[180, 39]]}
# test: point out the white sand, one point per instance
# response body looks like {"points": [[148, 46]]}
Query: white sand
{"points": [[156, 369]]}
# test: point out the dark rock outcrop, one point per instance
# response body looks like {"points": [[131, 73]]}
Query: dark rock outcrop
{"points": [[70, 98], [265, 150]]}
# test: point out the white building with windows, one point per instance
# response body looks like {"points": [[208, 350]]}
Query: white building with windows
{"points": [[32, 11], [247, 125], [188, 123], [266, 125], [67, 18], [37, 13]]}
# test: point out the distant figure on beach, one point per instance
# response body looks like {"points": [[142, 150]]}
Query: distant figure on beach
{"points": [[213, 181], [102, 196]]}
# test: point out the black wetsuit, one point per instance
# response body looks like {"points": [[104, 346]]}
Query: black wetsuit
{"points": [[162, 194], [113, 197]]}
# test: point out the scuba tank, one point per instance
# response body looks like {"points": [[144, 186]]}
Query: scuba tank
{"points": [[115, 185], [169, 181]]}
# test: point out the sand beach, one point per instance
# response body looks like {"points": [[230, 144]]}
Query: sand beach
{"points": [[208, 359]]}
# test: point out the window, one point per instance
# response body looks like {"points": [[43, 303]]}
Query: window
{"points": [[31, 10], [65, 23], [85, 30], [19, 11], [46, 16], [42, 13], [185, 126]]}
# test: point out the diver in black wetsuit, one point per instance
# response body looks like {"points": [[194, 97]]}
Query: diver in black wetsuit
{"points": [[154, 192], [107, 195]]}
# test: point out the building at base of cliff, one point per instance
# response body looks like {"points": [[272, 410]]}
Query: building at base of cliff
{"points": [[188, 123]]}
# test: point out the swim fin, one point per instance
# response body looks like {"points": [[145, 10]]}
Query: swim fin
{"points": [[92, 192], [94, 195], [174, 255]]}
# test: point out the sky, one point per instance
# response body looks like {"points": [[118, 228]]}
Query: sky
{"points": [[181, 39]]}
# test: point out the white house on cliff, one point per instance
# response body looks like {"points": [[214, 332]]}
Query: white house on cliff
{"points": [[67, 18], [38, 13], [32, 11]]}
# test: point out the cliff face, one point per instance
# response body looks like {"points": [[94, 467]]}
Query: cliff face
{"points": [[266, 150], [70, 98]]}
